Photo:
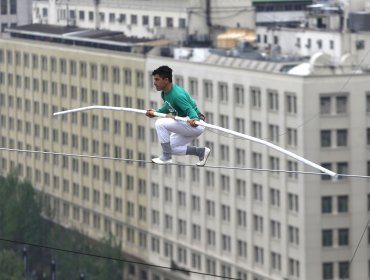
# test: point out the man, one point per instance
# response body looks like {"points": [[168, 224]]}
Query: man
{"points": [[175, 135]]}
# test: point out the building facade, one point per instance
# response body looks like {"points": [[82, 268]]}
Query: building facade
{"points": [[15, 12], [170, 19], [246, 224]]}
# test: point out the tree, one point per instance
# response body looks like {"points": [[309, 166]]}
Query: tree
{"points": [[11, 266]]}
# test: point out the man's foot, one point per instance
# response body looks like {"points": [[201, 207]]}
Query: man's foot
{"points": [[162, 160], [203, 159]]}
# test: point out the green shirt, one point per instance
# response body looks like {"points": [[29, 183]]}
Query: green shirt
{"points": [[179, 103]]}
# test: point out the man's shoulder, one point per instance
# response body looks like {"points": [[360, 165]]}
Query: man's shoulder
{"points": [[179, 89]]}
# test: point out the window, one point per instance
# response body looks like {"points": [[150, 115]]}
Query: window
{"points": [[224, 152], [343, 237], [342, 137], [223, 92], [326, 204], [293, 234], [258, 223], [91, 16], [196, 232], [343, 270], [257, 192], [342, 203], [63, 66], [275, 228], [169, 22], [293, 202], [275, 197], [342, 168], [210, 208], [168, 221], [239, 94], [327, 166], [112, 18], [226, 242], [327, 271], [258, 255], [275, 261], [139, 79], [325, 105], [122, 18], [325, 136], [93, 71], [291, 104], [157, 21], [208, 90], [83, 69], [241, 218], [182, 227], [193, 87], [327, 238], [133, 19], [273, 133], [145, 20], [360, 44], [292, 137], [82, 15], [127, 78], [256, 160], [341, 104], [104, 73], [225, 213], [273, 100], [256, 97], [224, 121], [240, 188], [182, 23], [73, 68], [257, 129]]}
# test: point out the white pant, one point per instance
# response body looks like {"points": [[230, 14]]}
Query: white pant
{"points": [[177, 133]]}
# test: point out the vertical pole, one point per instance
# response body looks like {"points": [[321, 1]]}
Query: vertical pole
{"points": [[53, 267], [24, 254]]}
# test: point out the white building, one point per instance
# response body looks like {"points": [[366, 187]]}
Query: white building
{"points": [[15, 12], [339, 29], [271, 226], [171, 19]]}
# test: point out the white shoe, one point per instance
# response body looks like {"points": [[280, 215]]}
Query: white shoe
{"points": [[206, 155], [159, 161]]}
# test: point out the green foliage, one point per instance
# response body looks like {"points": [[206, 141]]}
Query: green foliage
{"points": [[11, 266], [21, 220]]}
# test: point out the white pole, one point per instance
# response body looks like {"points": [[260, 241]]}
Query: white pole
{"points": [[254, 139]]}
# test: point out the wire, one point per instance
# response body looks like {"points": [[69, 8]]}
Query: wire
{"points": [[112, 258], [358, 246], [183, 164]]}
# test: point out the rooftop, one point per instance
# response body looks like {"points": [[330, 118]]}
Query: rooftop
{"points": [[103, 39]]}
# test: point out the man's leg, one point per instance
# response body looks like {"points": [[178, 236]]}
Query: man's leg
{"points": [[163, 133], [202, 153], [174, 136], [179, 143]]}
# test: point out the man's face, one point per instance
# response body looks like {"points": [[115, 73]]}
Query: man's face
{"points": [[160, 83]]}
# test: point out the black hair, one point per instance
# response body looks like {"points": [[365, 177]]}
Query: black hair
{"points": [[163, 72]]}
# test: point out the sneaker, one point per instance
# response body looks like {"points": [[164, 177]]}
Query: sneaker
{"points": [[203, 161], [158, 160]]}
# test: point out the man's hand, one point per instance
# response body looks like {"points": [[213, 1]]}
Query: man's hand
{"points": [[192, 122], [150, 113]]}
